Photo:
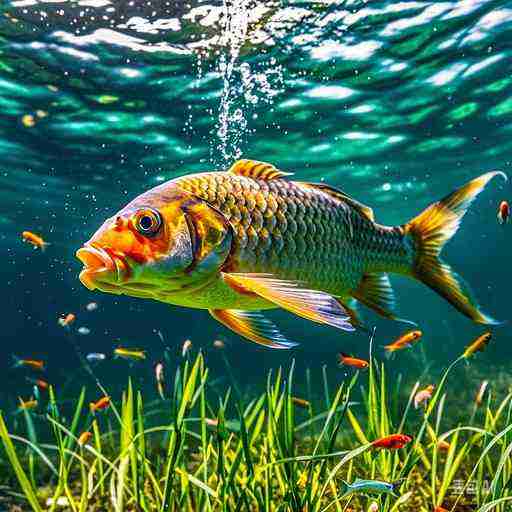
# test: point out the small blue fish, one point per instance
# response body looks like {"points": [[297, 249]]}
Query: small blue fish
{"points": [[367, 487], [95, 357]]}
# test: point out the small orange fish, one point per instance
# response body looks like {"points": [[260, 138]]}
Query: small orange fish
{"points": [[40, 383], [443, 446], [478, 345], [481, 392], [84, 438], [300, 402], [423, 396], [503, 212], [100, 405], [35, 364], [392, 442], [29, 404], [404, 341], [35, 240], [66, 321], [440, 509], [354, 362]]}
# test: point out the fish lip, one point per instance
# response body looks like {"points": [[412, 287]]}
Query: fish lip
{"points": [[97, 264]]}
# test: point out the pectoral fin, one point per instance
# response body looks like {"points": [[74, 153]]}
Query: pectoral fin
{"points": [[253, 326], [310, 304]]}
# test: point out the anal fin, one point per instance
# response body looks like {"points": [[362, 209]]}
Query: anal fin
{"points": [[376, 293], [253, 326]]}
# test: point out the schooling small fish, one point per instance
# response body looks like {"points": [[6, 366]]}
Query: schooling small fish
{"points": [[187, 345], [300, 402], [478, 345], [503, 212], [354, 362], [95, 357], [481, 392], [131, 354], [35, 364], [243, 240], [392, 442], [27, 405], [92, 306], [404, 341], [367, 487], [423, 396], [67, 320], [84, 438], [35, 240], [100, 405]]}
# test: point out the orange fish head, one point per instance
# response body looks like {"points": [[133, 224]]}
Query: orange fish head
{"points": [[165, 241]]}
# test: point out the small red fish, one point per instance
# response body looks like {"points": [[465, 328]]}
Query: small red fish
{"points": [[503, 212], [40, 383], [354, 362], [100, 405], [392, 442], [440, 509], [443, 446]]}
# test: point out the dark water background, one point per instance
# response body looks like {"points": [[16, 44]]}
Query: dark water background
{"points": [[394, 102]]}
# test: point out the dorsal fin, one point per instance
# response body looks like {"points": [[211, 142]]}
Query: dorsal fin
{"points": [[364, 210], [257, 170]]}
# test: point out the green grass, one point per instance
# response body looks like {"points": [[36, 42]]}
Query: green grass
{"points": [[228, 452]]}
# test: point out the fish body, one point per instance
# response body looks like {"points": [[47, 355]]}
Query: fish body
{"points": [[34, 364], [36, 240], [39, 383], [423, 396], [503, 212], [481, 392], [219, 344], [100, 405], [367, 487], [131, 354], [95, 357], [84, 331], [301, 402], [478, 345], [84, 438], [404, 341], [392, 442], [159, 376], [187, 345], [354, 362], [66, 320], [92, 306], [244, 240]]}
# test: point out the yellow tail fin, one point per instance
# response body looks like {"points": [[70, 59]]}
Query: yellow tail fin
{"points": [[431, 230]]}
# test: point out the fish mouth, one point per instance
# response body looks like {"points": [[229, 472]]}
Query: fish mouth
{"points": [[100, 267]]}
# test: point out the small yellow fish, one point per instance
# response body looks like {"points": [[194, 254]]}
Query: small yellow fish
{"points": [[478, 345], [132, 354], [27, 405], [404, 341], [100, 405], [84, 438], [247, 239]]}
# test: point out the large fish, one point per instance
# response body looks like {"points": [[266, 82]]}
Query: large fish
{"points": [[248, 239]]}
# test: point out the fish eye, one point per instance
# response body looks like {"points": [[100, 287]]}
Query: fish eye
{"points": [[148, 221]]}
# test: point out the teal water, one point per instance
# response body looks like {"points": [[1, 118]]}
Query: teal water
{"points": [[397, 103]]}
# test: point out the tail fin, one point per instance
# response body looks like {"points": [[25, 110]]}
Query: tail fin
{"points": [[431, 230]]}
